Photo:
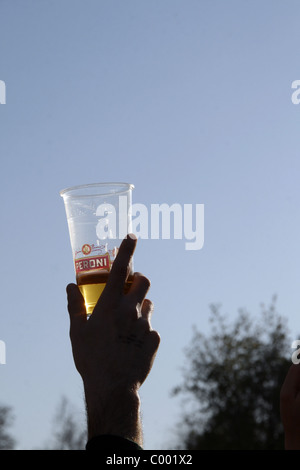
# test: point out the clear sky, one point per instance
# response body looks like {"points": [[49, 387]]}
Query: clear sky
{"points": [[191, 102]]}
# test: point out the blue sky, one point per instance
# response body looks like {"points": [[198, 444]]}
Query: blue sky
{"points": [[191, 102]]}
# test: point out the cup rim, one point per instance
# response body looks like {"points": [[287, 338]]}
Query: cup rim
{"points": [[72, 191]]}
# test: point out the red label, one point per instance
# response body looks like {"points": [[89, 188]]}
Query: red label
{"points": [[93, 262]]}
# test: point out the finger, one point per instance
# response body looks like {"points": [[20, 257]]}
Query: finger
{"points": [[120, 268], [143, 316], [139, 288], [76, 305], [152, 342], [147, 310]]}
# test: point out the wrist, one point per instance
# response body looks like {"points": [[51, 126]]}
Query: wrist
{"points": [[115, 412], [291, 443]]}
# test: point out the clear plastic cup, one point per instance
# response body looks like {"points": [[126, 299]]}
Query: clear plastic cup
{"points": [[99, 218]]}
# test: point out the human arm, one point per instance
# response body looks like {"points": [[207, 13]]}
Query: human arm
{"points": [[114, 349], [290, 407]]}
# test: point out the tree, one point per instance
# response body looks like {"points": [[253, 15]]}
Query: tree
{"points": [[7, 442], [232, 380], [68, 434]]}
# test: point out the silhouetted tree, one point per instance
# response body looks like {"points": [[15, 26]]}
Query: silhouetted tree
{"points": [[69, 433], [232, 381], [7, 442]]}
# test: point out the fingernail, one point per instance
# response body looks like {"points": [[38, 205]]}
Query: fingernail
{"points": [[132, 236]]}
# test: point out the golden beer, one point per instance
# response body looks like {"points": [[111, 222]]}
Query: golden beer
{"points": [[91, 285]]}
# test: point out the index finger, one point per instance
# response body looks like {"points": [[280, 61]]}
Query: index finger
{"points": [[120, 268]]}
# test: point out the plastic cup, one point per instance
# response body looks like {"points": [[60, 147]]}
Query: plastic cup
{"points": [[99, 218]]}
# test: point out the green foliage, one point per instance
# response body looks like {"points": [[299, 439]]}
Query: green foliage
{"points": [[232, 380]]}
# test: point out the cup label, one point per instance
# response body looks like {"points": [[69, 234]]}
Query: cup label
{"points": [[92, 263]]}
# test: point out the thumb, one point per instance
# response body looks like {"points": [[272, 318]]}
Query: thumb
{"points": [[76, 305]]}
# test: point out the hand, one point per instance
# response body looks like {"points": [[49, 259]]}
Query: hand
{"points": [[115, 348], [290, 408]]}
